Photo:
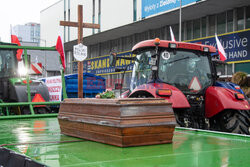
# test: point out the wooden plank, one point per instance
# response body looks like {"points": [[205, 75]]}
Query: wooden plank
{"points": [[68, 23], [80, 64], [90, 25], [75, 24], [146, 130], [107, 136]]}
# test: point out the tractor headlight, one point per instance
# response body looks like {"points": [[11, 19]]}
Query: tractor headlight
{"points": [[206, 49], [22, 71], [172, 45]]}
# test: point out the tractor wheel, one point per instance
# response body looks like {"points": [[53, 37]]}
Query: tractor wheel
{"points": [[25, 111], [42, 110], [179, 116], [235, 121]]}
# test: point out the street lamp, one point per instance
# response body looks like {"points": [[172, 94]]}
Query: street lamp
{"points": [[45, 56]]}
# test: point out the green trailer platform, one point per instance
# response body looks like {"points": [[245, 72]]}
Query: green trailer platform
{"points": [[40, 139]]}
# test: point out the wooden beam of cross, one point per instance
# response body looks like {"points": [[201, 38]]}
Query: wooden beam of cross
{"points": [[80, 26]]}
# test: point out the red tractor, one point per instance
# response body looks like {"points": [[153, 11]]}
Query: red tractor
{"points": [[185, 75]]}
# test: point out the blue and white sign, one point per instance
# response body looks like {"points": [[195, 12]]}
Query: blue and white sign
{"points": [[100, 65], [236, 45], [151, 7]]}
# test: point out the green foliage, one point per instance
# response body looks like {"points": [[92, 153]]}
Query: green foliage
{"points": [[106, 95], [240, 78]]}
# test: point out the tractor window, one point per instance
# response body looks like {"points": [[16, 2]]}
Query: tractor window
{"points": [[188, 71], [7, 63], [142, 69]]}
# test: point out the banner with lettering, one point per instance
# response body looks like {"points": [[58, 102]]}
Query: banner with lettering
{"points": [[151, 7], [100, 65], [236, 45], [54, 85]]}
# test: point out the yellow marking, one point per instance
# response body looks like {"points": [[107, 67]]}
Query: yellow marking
{"points": [[112, 73], [218, 35], [243, 61]]}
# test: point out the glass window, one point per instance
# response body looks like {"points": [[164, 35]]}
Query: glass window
{"points": [[181, 68], [221, 23], [248, 17], [245, 67], [168, 33], [204, 27], [182, 31], [224, 69], [211, 25], [220, 69], [142, 72], [99, 15], [230, 21], [176, 31], [135, 9], [7, 63], [197, 28], [240, 19], [68, 62], [93, 16], [229, 69], [189, 30]]}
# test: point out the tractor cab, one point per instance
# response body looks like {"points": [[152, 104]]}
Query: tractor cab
{"points": [[10, 67], [189, 71]]}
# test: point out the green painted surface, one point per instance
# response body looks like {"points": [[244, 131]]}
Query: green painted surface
{"points": [[189, 148]]}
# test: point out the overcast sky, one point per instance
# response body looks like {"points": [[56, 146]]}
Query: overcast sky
{"points": [[14, 12]]}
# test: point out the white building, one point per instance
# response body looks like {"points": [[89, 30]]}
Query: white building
{"points": [[127, 22], [109, 15], [29, 32]]}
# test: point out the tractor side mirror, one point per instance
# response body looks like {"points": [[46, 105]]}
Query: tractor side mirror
{"points": [[216, 60], [112, 59]]}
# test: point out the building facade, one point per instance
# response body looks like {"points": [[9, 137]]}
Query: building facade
{"points": [[123, 24], [29, 32]]}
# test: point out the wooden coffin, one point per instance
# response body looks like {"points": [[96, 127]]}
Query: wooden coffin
{"points": [[119, 122]]}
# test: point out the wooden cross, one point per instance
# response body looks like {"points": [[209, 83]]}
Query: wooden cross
{"points": [[80, 26]]}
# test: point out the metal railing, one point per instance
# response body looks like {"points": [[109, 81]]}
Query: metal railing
{"points": [[29, 102]]}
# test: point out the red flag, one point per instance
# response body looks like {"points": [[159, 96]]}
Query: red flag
{"points": [[221, 50], [59, 48], [19, 53]]}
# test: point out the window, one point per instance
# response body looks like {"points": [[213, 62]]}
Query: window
{"points": [[230, 21], [189, 30], [221, 23], [168, 33], [99, 15], [224, 69], [182, 31], [176, 31], [69, 58], [248, 17], [211, 25], [93, 16], [240, 18], [135, 10], [245, 67], [197, 28], [203, 26]]}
